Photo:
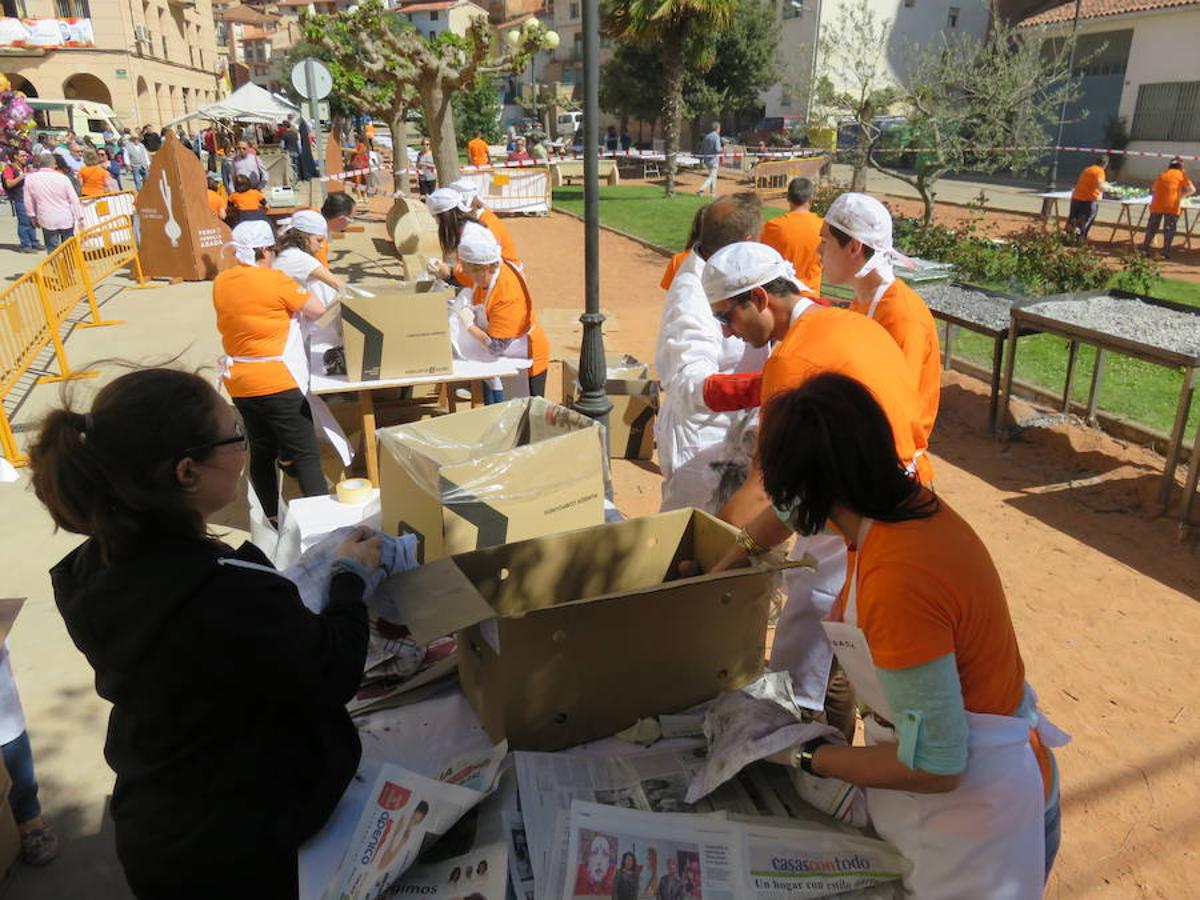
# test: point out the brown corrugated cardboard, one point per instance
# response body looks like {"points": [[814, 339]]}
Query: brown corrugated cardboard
{"points": [[575, 636], [490, 475], [402, 331], [634, 396]]}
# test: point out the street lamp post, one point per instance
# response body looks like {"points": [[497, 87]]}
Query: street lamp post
{"points": [[593, 372]]}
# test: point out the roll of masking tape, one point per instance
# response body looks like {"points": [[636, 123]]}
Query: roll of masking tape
{"points": [[353, 490]]}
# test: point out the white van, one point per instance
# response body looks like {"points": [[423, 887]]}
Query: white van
{"points": [[568, 122], [84, 117]]}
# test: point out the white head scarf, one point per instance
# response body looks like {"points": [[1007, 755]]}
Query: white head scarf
{"points": [[740, 267], [478, 246], [307, 221], [468, 190], [442, 200], [868, 221], [251, 236]]}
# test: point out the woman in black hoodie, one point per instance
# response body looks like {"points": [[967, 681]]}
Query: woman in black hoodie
{"points": [[228, 734]]}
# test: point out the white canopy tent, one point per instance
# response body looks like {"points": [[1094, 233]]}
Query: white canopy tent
{"points": [[249, 103]]}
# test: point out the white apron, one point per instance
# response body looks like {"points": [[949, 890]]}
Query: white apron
{"points": [[295, 357], [984, 839], [518, 348]]}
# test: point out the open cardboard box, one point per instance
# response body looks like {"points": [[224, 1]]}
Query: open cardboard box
{"points": [[634, 397], [491, 475], [572, 637], [401, 332]]}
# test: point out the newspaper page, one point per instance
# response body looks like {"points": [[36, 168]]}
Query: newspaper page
{"points": [[629, 854], [405, 813], [618, 853], [520, 864], [468, 861], [652, 780]]}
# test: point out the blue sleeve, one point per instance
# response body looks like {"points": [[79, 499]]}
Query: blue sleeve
{"points": [[931, 724]]}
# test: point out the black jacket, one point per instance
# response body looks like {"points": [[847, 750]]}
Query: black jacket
{"points": [[228, 734]]}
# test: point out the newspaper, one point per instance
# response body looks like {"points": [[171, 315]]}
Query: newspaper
{"points": [[520, 864], [470, 860], [759, 720], [622, 853], [406, 813], [650, 780]]}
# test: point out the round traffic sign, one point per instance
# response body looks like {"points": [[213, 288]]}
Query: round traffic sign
{"points": [[322, 81]]}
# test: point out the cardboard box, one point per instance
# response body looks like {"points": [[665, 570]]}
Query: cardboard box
{"points": [[572, 637], [401, 332], [634, 396], [491, 475]]}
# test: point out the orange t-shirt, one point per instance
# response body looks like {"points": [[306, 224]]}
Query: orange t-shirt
{"points": [[93, 181], [1090, 184], [216, 202], [828, 339], [254, 310], [928, 587], [904, 316], [797, 237], [672, 268], [248, 200], [508, 249], [477, 152], [510, 315], [1168, 192]]}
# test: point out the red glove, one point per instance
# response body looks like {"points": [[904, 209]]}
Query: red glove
{"points": [[726, 393]]}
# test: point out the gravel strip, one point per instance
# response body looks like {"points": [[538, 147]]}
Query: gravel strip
{"points": [[1130, 320], [974, 306]]}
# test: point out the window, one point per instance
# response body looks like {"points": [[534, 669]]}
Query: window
{"points": [[433, 15], [578, 45], [432, 35], [910, 3], [792, 9], [14, 9], [1167, 112], [574, 11], [952, 17], [70, 8]]}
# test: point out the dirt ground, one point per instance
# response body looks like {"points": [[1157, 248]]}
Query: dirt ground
{"points": [[1103, 594]]}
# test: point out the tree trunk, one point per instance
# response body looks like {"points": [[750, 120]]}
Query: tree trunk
{"points": [[862, 147], [398, 124], [672, 51], [439, 121]]}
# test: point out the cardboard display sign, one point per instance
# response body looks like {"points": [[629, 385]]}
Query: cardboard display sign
{"points": [[401, 332], [180, 236], [334, 164], [486, 476], [572, 637], [634, 397]]}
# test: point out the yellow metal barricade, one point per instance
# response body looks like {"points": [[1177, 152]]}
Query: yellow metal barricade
{"points": [[771, 178], [97, 210]]}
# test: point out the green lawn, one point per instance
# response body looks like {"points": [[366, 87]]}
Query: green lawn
{"points": [[1131, 388]]}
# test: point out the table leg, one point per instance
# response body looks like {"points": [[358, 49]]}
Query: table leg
{"points": [[948, 352], [1181, 417], [1189, 222], [1141, 219], [1189, 487], [1072, 358], [1094, 390], [1010, 362], [366, 406], [448, 391], [997, 368], [1123, 215]]}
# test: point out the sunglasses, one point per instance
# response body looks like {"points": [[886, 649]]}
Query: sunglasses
{"points": [[726, 318], [239, 438]]}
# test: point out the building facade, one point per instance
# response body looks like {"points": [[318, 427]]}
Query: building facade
{"points": [[435, 18], [152, 60], [1140, 71]]}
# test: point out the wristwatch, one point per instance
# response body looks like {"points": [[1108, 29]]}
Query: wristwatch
{"points": [[803, 757]]}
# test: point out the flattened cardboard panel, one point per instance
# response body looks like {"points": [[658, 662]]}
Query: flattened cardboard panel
{"points": [[396, 334], [408, 508], [180, 236], [435, 600]]}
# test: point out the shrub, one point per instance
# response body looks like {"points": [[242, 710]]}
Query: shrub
{"points": [[1139, 274]]}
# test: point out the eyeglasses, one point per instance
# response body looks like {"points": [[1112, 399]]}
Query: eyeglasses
{"points": [[725, 319], [239, 438]]}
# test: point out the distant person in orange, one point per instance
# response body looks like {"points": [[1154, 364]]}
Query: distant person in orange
{"points": [[856, 246], [501, 316], [369, 133], [477, 150], [247, 201], [94, 179], [1085, 199], [217, 201], [797, 234], [1166, 203], [693, 238]]}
